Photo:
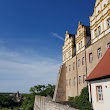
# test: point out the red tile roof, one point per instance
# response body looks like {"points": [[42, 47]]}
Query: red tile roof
{"points": [[102, 69]]}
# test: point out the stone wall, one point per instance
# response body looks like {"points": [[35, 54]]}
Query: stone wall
{"points": [[45, 103]]}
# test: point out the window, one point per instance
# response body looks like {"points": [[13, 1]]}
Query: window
{"points": [[66, 82], [108, 45], [69, 53], [99, 53], [66, 70], [65, 57], [69, 82], [74, 81], [108, 22], [84, 77], [95, 32], [99, 93], [81, 43], [79, 79], [73, 65], [83, 61], [90, 57], [69, 68], [79, 63], [99, 30]]}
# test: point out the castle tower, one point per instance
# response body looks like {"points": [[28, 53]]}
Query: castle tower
{"points": [[100, 20], [82, 37], [68, 49]]}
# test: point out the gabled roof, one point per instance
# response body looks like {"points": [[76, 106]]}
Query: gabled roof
{"points": [[102, 70]]}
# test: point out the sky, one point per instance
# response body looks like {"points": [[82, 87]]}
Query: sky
{"points": [[32, 34]]}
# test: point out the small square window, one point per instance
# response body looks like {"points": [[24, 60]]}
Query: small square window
{"points": [[90, 57], [99, 53], [99, 93]]}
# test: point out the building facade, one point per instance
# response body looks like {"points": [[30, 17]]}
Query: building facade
{"points": [[99, 84], [82, 52]]}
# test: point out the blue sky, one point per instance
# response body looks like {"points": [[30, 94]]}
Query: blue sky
{"points": [[31, 39]]}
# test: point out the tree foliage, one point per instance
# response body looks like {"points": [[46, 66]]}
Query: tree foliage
{"points": [[81, 102], [7, 101], [41, 90]]}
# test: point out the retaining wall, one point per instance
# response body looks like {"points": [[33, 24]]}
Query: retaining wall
{"points": [[45, 103]]}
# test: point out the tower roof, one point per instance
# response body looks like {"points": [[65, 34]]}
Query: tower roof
{"points": [[102, 70]]}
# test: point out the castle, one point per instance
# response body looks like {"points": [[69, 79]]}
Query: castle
{"points": [[83, 51]]}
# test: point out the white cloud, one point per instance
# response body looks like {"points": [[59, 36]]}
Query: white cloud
{"points": [[18, 71], [57, 36]]}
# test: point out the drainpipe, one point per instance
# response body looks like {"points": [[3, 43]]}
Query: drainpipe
{"points": [[77, 75]]}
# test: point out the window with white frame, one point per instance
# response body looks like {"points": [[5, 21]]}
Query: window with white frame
{"points": [[79, 79], [90, 57], [99, 93], [108, 44], [108, 22], [99, 53], [83, 61]]}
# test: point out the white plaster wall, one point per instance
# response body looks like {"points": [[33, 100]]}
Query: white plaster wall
{"points": [[105, 104]]}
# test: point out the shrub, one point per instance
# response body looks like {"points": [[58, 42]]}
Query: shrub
{"points": [[81, 102]]}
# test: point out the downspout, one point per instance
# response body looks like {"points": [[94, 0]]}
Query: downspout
{"points": [[77, 74]]}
